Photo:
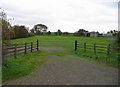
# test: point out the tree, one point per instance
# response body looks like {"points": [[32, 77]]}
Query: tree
{"points": [[117, 41], [49, 33], [113, 32], [32, 31], [20, 31], [5, 29], [118, 45], [81, 32], [40, 28], [65, 33], [59, 32], [55, 33], [6, 33], [11, 33]]}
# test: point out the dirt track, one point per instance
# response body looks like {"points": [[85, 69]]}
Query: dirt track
{"points": [[68, 70]]}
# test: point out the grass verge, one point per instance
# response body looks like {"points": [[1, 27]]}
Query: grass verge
{"points": [[104, 59], [23, 65]]}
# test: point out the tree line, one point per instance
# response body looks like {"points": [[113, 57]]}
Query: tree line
{"points": [[21, 31], [13, 32]]}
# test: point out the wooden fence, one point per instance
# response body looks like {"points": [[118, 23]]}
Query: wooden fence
{"points": [[96, 48], [14, 49]]}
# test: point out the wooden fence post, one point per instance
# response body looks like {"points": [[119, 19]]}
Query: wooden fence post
{"points": [[31, 46], [94, 48], [75, 45], [108, 49], [37, 45], [15, 51], [84, 47], [25, 48]]}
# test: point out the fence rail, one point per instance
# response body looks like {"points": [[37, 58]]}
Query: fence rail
{"points": [[96, 48], [14, 49]]}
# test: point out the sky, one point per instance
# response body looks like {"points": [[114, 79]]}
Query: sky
{"points": [[66, 15]]}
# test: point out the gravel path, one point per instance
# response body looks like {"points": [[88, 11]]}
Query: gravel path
{"points": [[69, 70]]}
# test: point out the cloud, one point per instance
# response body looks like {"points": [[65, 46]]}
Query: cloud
{"points": [[67, 15]]}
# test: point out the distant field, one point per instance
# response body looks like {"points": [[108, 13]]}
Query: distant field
{"points": [[63, 41]]}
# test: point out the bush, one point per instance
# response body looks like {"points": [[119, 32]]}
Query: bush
{"points": [[31, 34], [20, 32], [116, 43]]}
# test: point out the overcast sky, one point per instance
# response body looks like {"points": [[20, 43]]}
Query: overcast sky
{"points": [[66, 15]]}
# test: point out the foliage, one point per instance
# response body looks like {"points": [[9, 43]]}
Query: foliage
{"points": [[32, 31], [81, 32], [116, 42], [31, 34], [7, 30], [59, 32], [39, 29], [38, 32], [49, 33], [20, 31], [65, 33], [118, 39], [113, 32]]}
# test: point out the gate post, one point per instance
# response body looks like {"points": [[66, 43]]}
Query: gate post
{"points": [[37, 45], [25, 48], [15, 51], [94, 48], [108, 49], [75, 45], [84, 47]]}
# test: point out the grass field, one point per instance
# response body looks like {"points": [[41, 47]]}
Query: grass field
{"points": [[30, 61], [63, 41]]}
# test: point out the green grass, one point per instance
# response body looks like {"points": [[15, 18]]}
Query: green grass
{"points": [[62, 41], [25, 64], [101, 58], [68, 42]]}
